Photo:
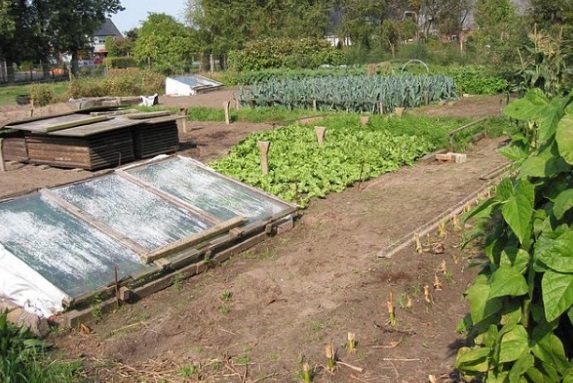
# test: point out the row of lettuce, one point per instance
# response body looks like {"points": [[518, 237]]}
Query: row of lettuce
{"points": [[300, 169]]}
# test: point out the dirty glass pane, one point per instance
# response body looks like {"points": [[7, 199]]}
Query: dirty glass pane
{"points": [[138, 214], [203, 188], [71, 255]]}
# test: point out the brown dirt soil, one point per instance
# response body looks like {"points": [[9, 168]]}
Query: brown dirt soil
{"points": [[253, 318]]}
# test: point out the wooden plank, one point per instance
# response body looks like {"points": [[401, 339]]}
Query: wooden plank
{"points": [[2, 164], [73, 124], [97, 127], [90, 220], [169, 197], [146, 115], [164, 282], [194, 239], [46, 125]]}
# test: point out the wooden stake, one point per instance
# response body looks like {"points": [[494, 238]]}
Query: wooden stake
{"points": [[381, 107], [320, 130], [391, 309], [2, 164], [227, 106], [364, 120], [185, 111], [314, 106], [264, 149], [329, 353], [427, 297], [351, 343], [399, 111]]}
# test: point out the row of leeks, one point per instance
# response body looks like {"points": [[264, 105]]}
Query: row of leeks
{"points": [[351, 93]]}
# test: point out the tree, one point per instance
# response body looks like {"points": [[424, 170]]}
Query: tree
{"points": [[72, 23], [361, 20], [118, 46], [6, 22], [165, 43], [390, 35], [552, 12]]}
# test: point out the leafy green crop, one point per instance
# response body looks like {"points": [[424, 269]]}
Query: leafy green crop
{"points": [[301, 169], [372, 94], [521, 316]]}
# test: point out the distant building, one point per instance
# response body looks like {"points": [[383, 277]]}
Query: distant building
{"points": [[107, 29]]}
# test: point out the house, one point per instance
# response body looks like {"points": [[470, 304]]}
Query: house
{"points": [[107, 29]]}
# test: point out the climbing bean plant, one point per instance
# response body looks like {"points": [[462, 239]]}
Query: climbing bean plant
{"points": [[519, 328]]}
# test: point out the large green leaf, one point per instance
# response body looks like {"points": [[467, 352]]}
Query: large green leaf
{"points": [[504, 190], [473, 359], [518, 209], [513, 152], [549, 350], [549, 117], [514, 342], [480, 305], [563, 202], [547, 162], [507, 281], [556, 253], [528, 107], [557, 289], [564, 138], [524, 363], [513, 257]]}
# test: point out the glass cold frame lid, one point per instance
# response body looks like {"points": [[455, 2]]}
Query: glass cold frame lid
{"points": [[221, 197], [136, 213], [67, 252]]}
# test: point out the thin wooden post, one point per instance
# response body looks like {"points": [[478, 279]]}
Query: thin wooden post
{"points": [[319, 130], [364, 120], [2, 164], [381, 107], [264, 149], [185, 111], [227, 106], [314, 106], [399, 111]]}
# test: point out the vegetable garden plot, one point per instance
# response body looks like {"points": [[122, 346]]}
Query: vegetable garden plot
{"points": [[60, 247], [370, 94]]}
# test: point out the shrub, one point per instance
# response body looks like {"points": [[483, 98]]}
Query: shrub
{"points": [[120, 62], [285, 53], [123, 82], [41, 94], [521, 303], [23, 358]]}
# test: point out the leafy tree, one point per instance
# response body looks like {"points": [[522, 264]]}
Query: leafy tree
{"points": [[72, 23], [6, 22], [18, 45], [362, 19], [118, 46], [165, 43], [552, 12], [390, 35]]}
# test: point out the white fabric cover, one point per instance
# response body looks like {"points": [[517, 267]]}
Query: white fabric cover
{"points": [[28, 289]]}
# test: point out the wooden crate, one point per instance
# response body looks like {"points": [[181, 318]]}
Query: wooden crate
{"points": [[91, 153], [152, 139]]}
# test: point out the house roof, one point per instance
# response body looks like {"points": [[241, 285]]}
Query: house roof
{"points": [[108, 28]]}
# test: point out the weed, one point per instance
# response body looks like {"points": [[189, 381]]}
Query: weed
{"points": [[225, 308], [97, 311], [226, 296], [448, 276], [317, 326], [403, 301], [243, 359], [416, 290], [178, 282], [187, 371]]}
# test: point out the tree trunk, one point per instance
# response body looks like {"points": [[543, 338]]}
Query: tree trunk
{"points": [[10, 72], [45, 69], [75, 69]]}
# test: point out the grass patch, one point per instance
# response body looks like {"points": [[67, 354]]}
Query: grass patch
{"points": [[252, 115], [8, 93]]}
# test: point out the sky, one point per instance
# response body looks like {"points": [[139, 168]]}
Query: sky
{"points": [[136, 11]]}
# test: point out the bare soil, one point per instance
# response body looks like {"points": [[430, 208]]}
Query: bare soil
{"points": [[255, 317]]}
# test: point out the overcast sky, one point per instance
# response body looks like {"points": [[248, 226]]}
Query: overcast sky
{"points": [[136, 11]]}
